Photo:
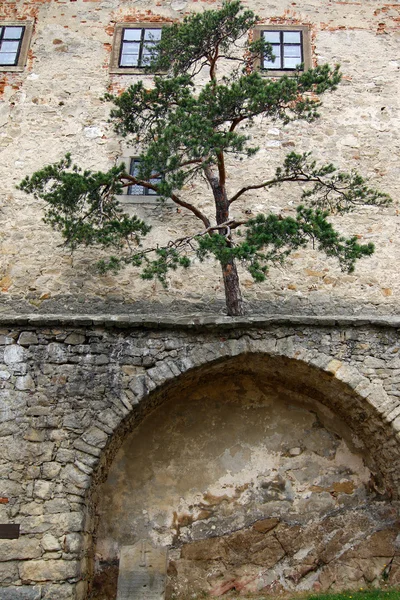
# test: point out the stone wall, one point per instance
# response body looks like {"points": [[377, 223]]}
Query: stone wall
{"points": [[77, 393], [54, 107]]}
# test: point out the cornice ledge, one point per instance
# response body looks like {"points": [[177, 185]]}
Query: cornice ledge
{"points": [[195, 321]]}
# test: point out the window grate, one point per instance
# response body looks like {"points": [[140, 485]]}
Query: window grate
{"points": [[139, 190]]}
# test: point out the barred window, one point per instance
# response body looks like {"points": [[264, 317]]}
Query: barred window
{"points": [[139, 190]]}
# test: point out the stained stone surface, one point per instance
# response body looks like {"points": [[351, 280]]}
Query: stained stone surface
{"points": [[142, 572], [255, 488]]}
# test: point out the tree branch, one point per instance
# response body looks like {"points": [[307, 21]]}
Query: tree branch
{"points": [[263, 185], [197, 213]]}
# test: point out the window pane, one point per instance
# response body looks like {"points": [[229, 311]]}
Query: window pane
{"points": [[147, 54], [129, 60], [9, 47], [272, 36], [291, 37], [13, 33], [276, 51], [291, 63], [132, 34], [135, 190], [269, 64], [152, 34], [294, 51], [7, 59], [130, 48]]}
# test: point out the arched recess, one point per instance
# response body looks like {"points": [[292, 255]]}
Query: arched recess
{"points": [[260, 473]]}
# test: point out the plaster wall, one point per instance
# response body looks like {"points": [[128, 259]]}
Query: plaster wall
{"points": [[54, 107], [252, 488]]}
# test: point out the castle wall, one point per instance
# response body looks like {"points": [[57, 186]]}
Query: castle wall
{"points": [[53, 106], [78, 397]]}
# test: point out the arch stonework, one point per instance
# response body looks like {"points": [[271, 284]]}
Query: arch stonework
{"points": [[73, 387]]}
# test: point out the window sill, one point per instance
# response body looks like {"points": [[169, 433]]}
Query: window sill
{"points": [[278, 73], [133, 71], [13, 69], [130, 199]]}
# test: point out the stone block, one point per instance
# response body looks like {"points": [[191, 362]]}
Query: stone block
{"points": [[50, 470], [8, 572], [21, 549], [43, 489], [64, 591], [95, 437], [35, 435], [57, 505], [24, 383], [48, 570], [27, 338], [72, 474], [13, 355], [74, 339], [21, 592], [50, 543], [55, 523], [73, 543]]}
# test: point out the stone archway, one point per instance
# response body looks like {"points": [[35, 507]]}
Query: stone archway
{"points": [[260, 473]]}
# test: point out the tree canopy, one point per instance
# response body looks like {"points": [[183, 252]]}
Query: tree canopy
{"points": [[188, 123]]}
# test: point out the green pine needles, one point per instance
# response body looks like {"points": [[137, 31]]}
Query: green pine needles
{"points": [[186, 132]]}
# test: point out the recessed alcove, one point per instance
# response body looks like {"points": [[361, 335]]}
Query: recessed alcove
{"points": [[259, 474]]}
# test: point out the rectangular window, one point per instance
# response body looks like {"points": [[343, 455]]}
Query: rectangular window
{"points": [[137, 46], [133, 46], [14, 44], [287, 48], [291, 48], [10, 45], [139, 190]]}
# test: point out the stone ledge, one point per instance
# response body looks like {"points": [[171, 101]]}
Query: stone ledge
{"points": [[196, 322]]}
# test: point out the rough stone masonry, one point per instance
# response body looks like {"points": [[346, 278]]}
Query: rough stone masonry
{"points": [[53, 106], [263, 453], [105, 424]]}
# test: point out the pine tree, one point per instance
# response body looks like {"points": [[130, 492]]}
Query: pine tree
{"points": [[186, 131]]}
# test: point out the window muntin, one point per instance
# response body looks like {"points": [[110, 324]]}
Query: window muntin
{"points": [[10, 44], [137, 45], [140, 190], [287, 47]]}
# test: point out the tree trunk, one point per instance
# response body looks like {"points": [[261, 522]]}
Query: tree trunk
{"points": [[233, 295]]}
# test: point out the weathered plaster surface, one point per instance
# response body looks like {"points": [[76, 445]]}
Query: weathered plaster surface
{"points": [[71, 394], [218, 467], [54, 107]]}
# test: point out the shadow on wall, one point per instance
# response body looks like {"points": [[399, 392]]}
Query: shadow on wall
{"points": [[253, 483]]}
